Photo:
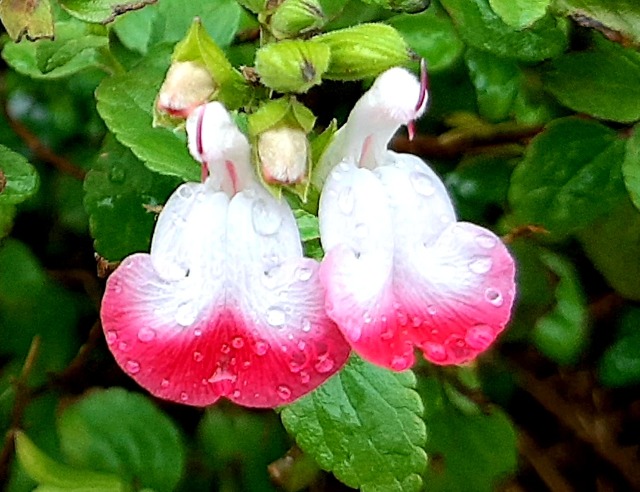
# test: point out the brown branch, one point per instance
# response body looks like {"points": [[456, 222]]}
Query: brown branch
{"points": [[22, 399], [544, 467]]}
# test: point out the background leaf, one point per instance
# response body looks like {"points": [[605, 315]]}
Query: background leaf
{"points": [[102, 11], [31, 19], [520, 13], [19, 178]]}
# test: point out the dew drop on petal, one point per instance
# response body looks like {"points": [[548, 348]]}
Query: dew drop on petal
{"points": [[236, 394], [306, 325], [297, 362], [487, 242], [237, 342], [432, 310], [266, 219], [260, 347], [123, 346], [480, 265], [146, 334], [416, 322], [275, 316], [225, 349], [284, 392], [387, 333], [324, 364], [197, 332], [185, 192], [304, 377], [302, 345], [435, 352], [494, 296], [400, 363], [197, 356], [479, 337], [246, 364], [165, 383], [111, 336], [184, 396], [422, 184], [346, 201], [132, 367], [186, 314], [304, 273]]}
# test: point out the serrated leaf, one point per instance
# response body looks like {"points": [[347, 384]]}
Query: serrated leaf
{"points": [[364, 425], [613, 245], [123, 433], [603, 82], [73, 50], [622, 16], [18, 179], [483, 29], [126, 101], [101, 11], [32, 19], [469, 451], [432, 36], [563, 333], [520, 13], [631, 166], [46, 471], [120, 193], [570, 176], [134, 28]]}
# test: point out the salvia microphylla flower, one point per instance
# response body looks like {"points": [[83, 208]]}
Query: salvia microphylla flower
{"points": [[225, 305], [399, 270]]}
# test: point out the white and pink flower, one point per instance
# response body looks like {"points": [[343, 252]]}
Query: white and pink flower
{"points": [[225, 304], [400, 271]]}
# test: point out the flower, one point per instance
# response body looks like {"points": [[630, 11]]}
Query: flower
{"points": [[399, 270], [224, 305]]}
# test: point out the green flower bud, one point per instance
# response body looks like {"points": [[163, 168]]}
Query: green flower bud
{"points": [[283, 153], [363, 51], [186, 85], [295, 17], [292, 66]]}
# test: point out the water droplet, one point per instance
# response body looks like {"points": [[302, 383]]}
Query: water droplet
{"points": [[184, 396], [236, 394], [432, 310], [197, 332], [284, 392], [246, 364], [403, 320], [185, 192], [494, 296], [132, 367], [297, 361], [275, 316], [486, 242], [346, 201], [362, 231], [165, 383], [480, 265], [343, 166], [422, 184], [225, 349], [197, 356], [304, 377], [123, 346], [117, 175], [400, 362], [146, 334], [324, 364], [266, 219], [302, 345], [112, 336], [186, 314], [260, 347], [435, 352], [304, 273], [237, 342], [387, 333], [479, 337], [416, 322]]}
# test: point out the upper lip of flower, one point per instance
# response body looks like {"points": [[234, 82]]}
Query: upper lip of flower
{"points": [[399, 271], [224, 305]]}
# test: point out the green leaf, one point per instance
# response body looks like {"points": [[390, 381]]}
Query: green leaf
{"points": [[74, 49], [18, 179], [102, 11], [622, 16], [123, 433], [570, 176], [307, 224], [620, 364], [364, 425], [431, 35], [135, 27], [46, 471], [7, 215], [613, 245], [32, 19], [126, 101], [631, 166], [563, 333], [119, 191], [481, 28], [465, 448], [520, 13], [603, 82]]}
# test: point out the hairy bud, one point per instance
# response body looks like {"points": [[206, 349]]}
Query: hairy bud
{"points": [[295, 17], [283, 154], [186, 86], [363, 51], [292, 66]]}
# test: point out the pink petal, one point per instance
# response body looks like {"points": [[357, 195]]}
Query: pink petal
{"points": [[248, 325]]}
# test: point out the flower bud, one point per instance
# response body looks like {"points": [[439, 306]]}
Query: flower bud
{"points": [[283, 153], [363, 51], [186, 86], [292, 66], [295, 17]]}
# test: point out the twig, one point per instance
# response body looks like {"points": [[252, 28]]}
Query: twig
{"points": [[22, 399], [544, 467]]}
